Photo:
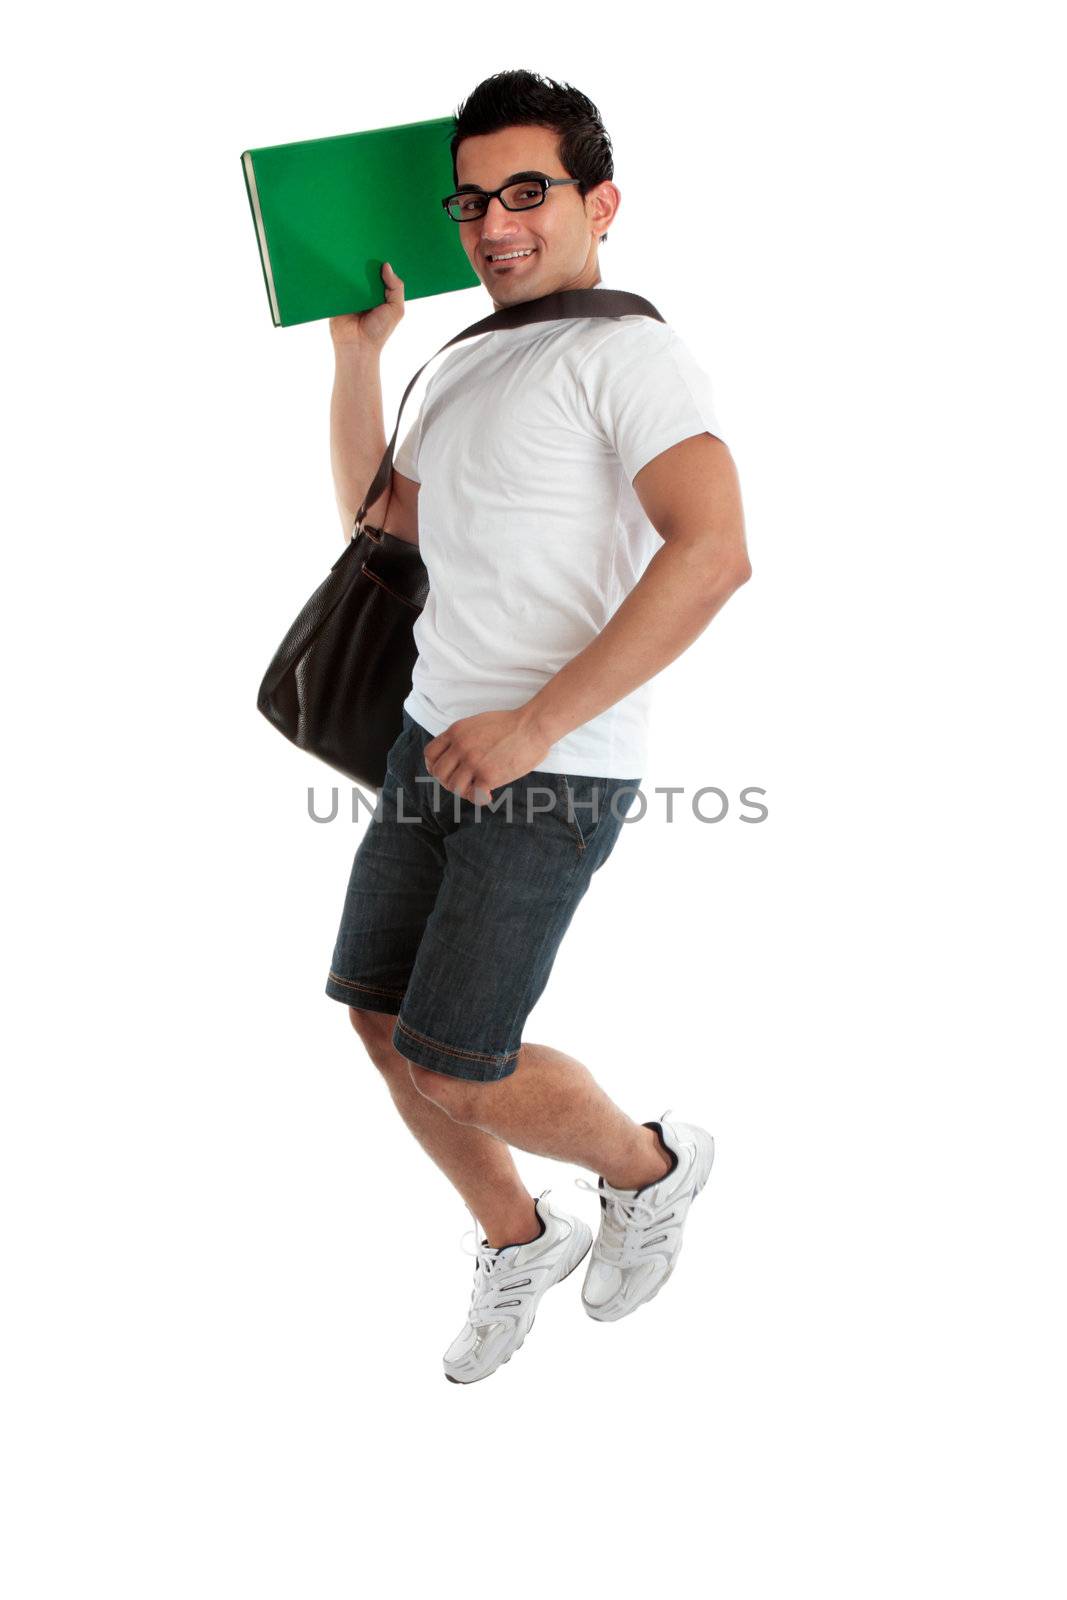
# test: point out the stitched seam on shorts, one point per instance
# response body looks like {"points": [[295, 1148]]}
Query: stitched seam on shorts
{"points": [[561, 900], [371, 988], [447, 1050], [562, 788]]}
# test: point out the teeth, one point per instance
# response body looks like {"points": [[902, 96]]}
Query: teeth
{"points": [[512, 255]]}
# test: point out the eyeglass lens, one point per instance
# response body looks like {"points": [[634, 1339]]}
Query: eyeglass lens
{"points": [[518, 197]]}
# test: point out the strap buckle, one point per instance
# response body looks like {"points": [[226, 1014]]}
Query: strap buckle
{"points": [[373, 534]]}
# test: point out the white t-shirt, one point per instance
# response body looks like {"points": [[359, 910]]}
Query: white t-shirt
{"points": [[526, 447]]}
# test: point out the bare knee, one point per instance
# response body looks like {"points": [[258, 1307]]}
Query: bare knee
{"points": [[455, 1095], [375, 1029]]}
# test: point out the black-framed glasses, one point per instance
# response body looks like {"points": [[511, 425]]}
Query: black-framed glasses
{"points": [[521, 194]]}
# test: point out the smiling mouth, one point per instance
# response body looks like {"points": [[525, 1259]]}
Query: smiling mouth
{"points": [[508, 258]]}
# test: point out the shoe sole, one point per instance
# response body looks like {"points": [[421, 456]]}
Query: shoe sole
{"points": [[627, 1311], [466, 1382]]}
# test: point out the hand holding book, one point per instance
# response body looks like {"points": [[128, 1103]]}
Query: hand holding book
{"points": [[370, 329]]}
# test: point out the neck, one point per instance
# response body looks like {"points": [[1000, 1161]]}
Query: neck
{"points": [[560, 288]]}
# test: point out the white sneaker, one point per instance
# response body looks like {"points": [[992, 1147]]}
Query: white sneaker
{"points": [[640, 1235], [508, 1284]]}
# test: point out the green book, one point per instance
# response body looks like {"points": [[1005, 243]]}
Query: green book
{"points": [[329, 212]]}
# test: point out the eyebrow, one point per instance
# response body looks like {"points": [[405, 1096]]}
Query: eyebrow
{"points": [[474, 188]]}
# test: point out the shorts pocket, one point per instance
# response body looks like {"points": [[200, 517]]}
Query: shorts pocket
{"points": [[582, 803]]}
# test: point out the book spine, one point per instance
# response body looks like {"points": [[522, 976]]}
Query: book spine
{"points": [[261, 234]]}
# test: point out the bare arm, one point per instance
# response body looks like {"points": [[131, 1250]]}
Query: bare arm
{"points": [[692, 497], [357, 432], [357, 428]]}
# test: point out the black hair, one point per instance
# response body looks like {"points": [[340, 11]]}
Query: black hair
{"points": [[528, 99]]}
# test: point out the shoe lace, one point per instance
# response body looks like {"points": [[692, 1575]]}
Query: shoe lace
{"points": [[501, 1285], [622, 1216]]}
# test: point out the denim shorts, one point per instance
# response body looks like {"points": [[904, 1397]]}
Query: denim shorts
{"points": [[454, 911]]}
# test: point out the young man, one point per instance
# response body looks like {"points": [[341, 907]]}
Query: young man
{"points": [[581, 524]]}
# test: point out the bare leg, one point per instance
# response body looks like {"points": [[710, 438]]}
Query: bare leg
{"points": [[478, 1164], [552, 1106]]}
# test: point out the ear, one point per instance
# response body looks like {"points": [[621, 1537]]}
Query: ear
{"points": [[601, 204]]}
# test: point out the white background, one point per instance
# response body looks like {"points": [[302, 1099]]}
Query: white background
{"points": [[231, 1272]]}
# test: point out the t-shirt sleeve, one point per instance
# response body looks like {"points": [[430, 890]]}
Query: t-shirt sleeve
{"points": [[646, 392], [406, 459]]}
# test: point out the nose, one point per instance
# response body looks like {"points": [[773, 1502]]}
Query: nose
{"points": [[498, 217]]}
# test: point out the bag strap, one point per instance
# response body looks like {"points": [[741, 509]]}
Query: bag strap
{"points": [[564, 303]]}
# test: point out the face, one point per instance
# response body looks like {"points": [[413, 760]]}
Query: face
{"points": [[562, 234]]}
